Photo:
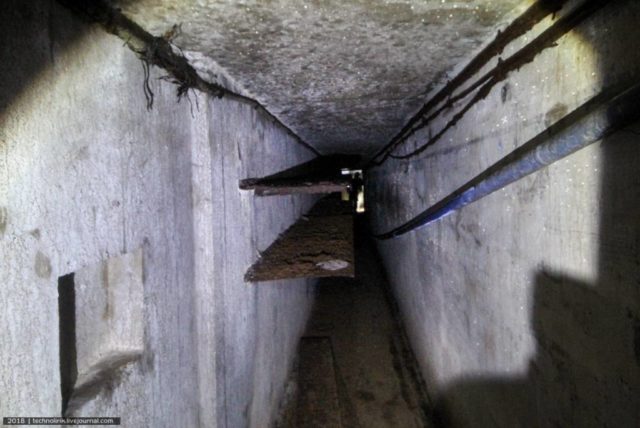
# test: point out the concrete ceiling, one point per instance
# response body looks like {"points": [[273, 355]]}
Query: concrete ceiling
{"points": [[345, 75]]}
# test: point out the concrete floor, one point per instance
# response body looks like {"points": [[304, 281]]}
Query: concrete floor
{"points": [[354, 367]]}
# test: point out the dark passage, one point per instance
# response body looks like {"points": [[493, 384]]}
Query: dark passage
{"points": [[355, 368]]}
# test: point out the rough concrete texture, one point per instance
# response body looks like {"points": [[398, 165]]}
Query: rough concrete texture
{"points": [[344, 75], [109, 324], [88, 174], [523, 308], [256, 327]]}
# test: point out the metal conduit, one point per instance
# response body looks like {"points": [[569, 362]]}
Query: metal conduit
{"points": [[602, 115]]}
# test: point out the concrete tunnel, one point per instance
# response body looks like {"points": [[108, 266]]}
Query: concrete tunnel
{"points": [[287, 213]]}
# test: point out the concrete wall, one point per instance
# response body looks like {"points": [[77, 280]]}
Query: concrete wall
{"points": [[524, 309], [257, 326], [88, 174]]}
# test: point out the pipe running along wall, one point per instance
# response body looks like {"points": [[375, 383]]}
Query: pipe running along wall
{"points": [[604, 114]]}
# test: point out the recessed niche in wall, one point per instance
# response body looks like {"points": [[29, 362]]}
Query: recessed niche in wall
{"points": [[67, 328], [108, 325]]}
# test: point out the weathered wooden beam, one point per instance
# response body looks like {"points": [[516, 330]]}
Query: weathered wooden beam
{"points": [[319, 244], [320, 175], [294, 186]]}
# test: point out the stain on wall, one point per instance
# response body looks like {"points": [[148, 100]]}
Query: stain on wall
{"points": [[4, 219], [557, 112], [42, 265]]}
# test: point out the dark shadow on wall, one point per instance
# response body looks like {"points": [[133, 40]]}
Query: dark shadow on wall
{"points": [[586, 369], [32, 34]]}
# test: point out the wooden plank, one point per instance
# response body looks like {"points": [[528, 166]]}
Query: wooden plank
{"points": [[319, 244], [320, 175], [295, 186]]}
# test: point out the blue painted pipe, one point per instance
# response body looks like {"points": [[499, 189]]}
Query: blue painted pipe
{"points": [[604, 114]]}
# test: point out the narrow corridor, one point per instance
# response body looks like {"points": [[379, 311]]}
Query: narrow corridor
{"points": [[179, 186], [355, 368]]}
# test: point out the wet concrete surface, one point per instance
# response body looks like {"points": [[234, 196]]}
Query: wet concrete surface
{"points": [[354, 353]]}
